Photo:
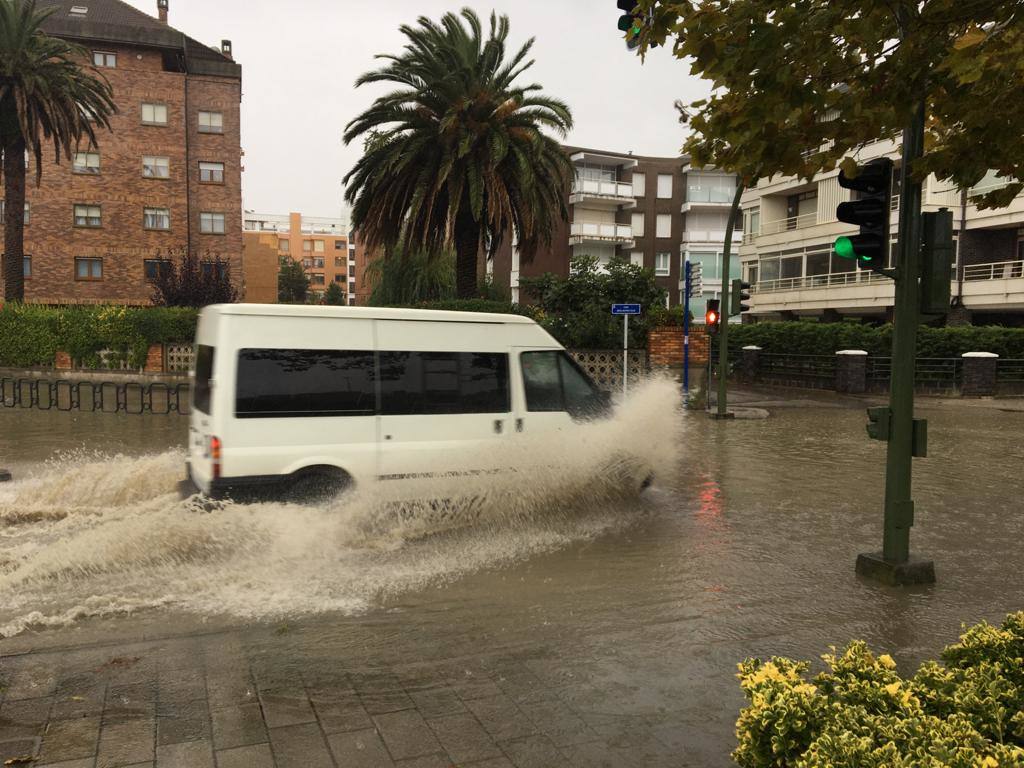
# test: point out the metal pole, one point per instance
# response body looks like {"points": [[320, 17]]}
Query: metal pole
{"points": [[723, 341], [625, 353], [899, 506], [686, 328]]}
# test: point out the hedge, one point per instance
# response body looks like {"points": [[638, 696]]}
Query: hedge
{"points": [[813, 338], [965, 712], [32, 335]]}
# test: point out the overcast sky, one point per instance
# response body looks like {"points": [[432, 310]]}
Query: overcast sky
{"points": [[300, 60]]}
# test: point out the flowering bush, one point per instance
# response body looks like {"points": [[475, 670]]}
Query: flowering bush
{"points": [[967, 712]]}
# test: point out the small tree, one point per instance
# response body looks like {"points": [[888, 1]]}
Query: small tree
{"points": [[335, 296], [292, 282], [191, 282]]}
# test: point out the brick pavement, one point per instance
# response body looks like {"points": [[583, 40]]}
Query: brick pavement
{"points": [[212, 702]]}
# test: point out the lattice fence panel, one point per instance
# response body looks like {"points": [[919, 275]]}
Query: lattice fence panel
{"points": [[178, 357], [605, 366]]}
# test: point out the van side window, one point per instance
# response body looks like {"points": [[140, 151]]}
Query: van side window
{"points": [[443, 382], [289, 383], [204, 372], [553, 382]]}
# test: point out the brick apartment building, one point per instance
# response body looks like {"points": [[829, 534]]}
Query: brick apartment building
{"points": [[166, 179], [658, 211], [320, 245]]}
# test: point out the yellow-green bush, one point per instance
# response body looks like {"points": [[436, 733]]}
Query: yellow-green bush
{"points": [[966, 712]]}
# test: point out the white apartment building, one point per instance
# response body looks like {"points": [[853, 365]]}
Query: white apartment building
{"points": [[790, 226]]}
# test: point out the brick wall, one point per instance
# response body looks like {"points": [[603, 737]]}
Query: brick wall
{"points": [[665, 346], [986, 246]]}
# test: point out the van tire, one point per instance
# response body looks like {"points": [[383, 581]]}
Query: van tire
{"points": [[317, 485]]}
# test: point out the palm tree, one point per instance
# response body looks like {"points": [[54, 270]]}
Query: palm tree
{"points": [[457, 156], [47, 95]]}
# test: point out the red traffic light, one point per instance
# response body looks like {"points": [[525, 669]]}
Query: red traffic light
{"points": [[711, 317]]}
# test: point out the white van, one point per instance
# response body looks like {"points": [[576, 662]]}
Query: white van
{"points": [[306, 400]]}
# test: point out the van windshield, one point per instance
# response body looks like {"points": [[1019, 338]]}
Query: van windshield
{"points": [[204, 373]]}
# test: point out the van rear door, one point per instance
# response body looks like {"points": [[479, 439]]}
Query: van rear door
{"points": [[200, 422]]}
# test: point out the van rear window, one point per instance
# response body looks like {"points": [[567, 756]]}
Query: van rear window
{"points": [[290, 383], [443, 382], [204, 372]]}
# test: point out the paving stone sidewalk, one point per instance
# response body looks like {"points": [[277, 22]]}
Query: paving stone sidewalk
{"points": [[208, 702]]}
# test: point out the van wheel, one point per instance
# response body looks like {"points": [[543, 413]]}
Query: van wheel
{"points": [[317, 486]]}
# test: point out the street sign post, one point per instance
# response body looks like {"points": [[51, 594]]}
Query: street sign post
{"points": [[625, 310], [687, 287]]}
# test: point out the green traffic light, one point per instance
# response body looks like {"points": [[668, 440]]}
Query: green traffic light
{"points": [[844, 248]]}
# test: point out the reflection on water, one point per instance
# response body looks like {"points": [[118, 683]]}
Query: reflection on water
{"points": [[745, 546]]}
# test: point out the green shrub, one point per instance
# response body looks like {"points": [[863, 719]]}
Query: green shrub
{"points": [[813, 338], [31, 335], [475, 305], [967, 712]]}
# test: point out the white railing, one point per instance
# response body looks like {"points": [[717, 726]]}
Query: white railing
{"points": [[594, 188], [789, 223], [585, 230], [710, 235], [818, 281], [997, 270], [698, 194]]}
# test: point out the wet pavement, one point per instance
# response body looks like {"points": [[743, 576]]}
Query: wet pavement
{"points": [[607, 639]]}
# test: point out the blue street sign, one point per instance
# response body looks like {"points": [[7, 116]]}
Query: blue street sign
{"points": [[625, 309]]}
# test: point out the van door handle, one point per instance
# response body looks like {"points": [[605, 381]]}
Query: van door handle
{"points": [[499, 426], [519, 425]]}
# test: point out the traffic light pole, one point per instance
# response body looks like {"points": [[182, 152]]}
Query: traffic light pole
{"points": [[723, 333], [894, 565]]}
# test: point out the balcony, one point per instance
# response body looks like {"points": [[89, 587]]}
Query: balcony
{"points": [[852, 292], [594, 232], [997, 285], [997, 270], [818, 281], [710, 236], [708, 197], [789, 224], [602, 194]]}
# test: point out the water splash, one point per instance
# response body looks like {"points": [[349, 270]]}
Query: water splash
{"points": [[95, 536]]}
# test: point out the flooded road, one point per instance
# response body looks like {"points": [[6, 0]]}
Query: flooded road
{"points": [[628, 610]]}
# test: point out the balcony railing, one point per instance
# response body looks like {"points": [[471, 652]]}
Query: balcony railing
{"points": [[610, 189], [789, 223], [818, 281], [593, 231], [997, 270], [710, 235], [715, 195]]}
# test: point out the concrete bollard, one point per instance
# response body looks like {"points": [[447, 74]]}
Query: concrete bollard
{"points": [[750, 362], [852, 371], [979, 374]]}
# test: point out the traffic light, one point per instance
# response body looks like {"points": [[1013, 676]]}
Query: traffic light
{"points": [[696, 279], [713, 317], [936, 262], [629, 23], [737, 295], [870, 211]]}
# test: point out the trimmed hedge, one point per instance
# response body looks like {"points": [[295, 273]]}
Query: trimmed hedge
{"points": [[813, 338], [966, 712], [32, 335]]}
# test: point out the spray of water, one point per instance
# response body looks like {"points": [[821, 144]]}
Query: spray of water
{"points": [[95, 536]]}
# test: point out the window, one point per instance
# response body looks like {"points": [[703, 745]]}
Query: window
{"points": [[318, 263], [284, 245], [26, 266], [665, 186], [307, 263], [156, 218], [339, 245], [662, 264], [211, 173], [86, 162], [88, 216], [307, 245], [104, 59], [637, 257], [88, 268], [637, 221], [553, 382], [28, 215], [211, 223], [351, 270], [710, 188], [339, 261], [339, 278], [219, 268], [203, 385], [318, 246], [752, 222], [709, 264], [156, 167], [289, 383], [443, 382], [154, 268], [154, 114], [78, 10], [317, 279], [211, 122], [639, 184], [664, 225]]}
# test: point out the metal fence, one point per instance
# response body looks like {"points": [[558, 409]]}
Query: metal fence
{"points": [[1010, 376], [95, 396], [818, 371], [931, 374], [605, 365]]}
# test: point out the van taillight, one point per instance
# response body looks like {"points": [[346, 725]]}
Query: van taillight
{"points": [[215, 455]]}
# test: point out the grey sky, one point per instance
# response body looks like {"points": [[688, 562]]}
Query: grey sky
{"points": [[300, 59]]}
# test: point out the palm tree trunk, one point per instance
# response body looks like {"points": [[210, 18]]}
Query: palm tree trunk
{"points": [[467, 253], [14, 220]]}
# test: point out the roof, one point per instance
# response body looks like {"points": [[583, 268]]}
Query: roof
{"points": [[114, 21], [365, 313]]}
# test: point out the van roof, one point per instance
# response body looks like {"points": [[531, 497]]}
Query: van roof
{"points": [[368, 313]]}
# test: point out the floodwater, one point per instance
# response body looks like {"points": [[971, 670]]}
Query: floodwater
{"points": [[642, 606]]}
